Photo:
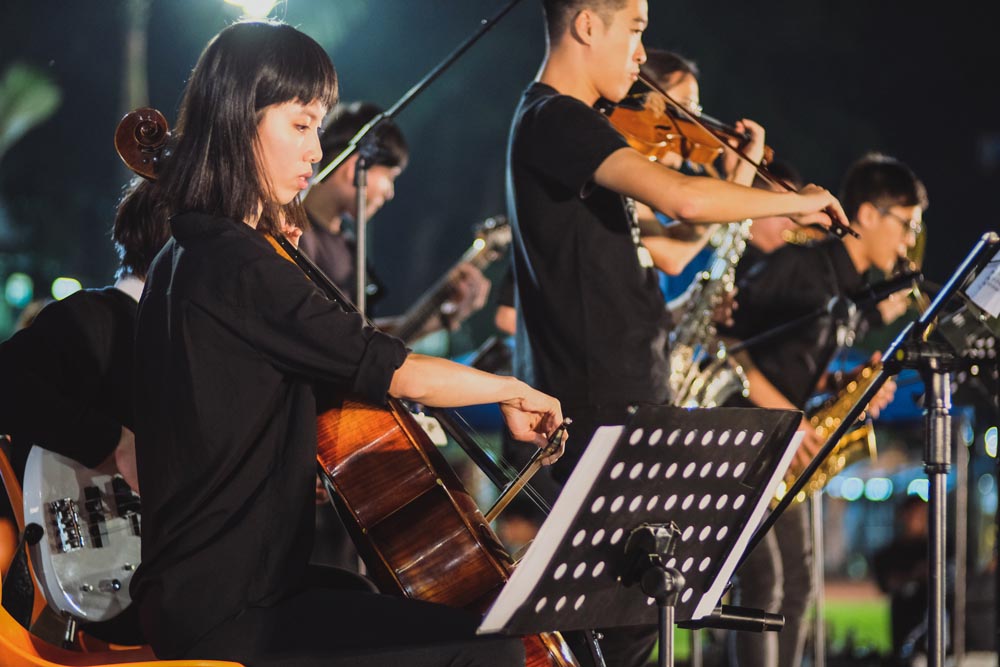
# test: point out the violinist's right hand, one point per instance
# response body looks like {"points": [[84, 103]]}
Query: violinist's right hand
{"points": [[532, 417], [819, 207]]}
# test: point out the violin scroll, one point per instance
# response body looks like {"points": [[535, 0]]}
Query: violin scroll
{"points": [[140, 140]]}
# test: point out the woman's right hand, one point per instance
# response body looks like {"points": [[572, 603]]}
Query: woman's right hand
{"points": [[532, 417]]}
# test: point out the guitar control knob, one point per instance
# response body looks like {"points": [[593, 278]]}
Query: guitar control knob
{"points": [[87, 588], [128, 567], [110, 585]]}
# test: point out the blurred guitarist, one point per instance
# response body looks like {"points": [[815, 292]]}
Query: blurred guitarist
{"points": [[67, 378], [329, 203]]}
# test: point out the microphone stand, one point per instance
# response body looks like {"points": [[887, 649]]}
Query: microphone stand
{"points": [[356, 144]]}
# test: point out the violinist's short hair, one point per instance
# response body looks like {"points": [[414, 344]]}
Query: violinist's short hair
{"points": [[662, 63], [882, 181], [141, 228], [560, 13], [391, 149], [246, 68]]}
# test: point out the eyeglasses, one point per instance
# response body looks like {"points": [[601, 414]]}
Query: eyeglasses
{"points": [[916, 226]]}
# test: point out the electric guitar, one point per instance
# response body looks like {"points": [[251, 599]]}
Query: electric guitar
{"points": [[91, 523], [493, 236]]}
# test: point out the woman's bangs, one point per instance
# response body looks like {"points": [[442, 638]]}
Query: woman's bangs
{"points": [[302, 72]]}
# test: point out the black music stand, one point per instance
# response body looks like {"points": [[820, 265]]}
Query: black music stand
{"points": [[710, 472]]}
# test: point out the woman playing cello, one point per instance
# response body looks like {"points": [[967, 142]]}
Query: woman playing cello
{"points": [[231, 341]]}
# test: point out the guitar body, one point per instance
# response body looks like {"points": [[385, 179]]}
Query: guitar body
{"points": [[91, 543], [418, 530]]}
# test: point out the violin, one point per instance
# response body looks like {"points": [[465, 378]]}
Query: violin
{"points": [[655, 127], [655, 132], [418, 530]]}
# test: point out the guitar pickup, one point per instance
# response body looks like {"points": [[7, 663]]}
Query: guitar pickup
{"points": [[64, 515], [95, 510]]}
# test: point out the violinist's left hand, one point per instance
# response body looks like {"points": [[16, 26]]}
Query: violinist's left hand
{"points": [[753, 149], [531, 417]]}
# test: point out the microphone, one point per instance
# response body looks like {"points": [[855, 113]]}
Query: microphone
{"points": [[878, 291], [746, 619]]}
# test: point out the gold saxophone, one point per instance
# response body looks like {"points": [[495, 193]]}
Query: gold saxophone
{"points": [[856, 445]]}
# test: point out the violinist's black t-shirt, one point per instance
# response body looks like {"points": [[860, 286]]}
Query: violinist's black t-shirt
{"points": [[592, 327]]}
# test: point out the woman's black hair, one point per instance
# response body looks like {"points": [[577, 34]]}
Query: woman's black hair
{"points": [[244, 69], [141, 227], [665, 63]]}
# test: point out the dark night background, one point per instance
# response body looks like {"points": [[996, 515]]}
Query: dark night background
{"points": [[829, 80]]}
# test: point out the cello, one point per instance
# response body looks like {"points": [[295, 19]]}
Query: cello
{"points": [[419, 531]]}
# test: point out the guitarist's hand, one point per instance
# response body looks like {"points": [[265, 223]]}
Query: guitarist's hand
{"points": [[532, 417], [469, 291], [125, 458]]}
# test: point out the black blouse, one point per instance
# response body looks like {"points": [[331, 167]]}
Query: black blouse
{"points": [[230, 339]]}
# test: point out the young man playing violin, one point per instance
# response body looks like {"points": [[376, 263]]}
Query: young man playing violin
{"points": [[592, 329]]}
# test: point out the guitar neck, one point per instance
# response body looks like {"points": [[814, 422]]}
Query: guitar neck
{"points": [[430, 302]]}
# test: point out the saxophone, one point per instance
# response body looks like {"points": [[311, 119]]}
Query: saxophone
{"points": [[856, 445], [702, 373]]}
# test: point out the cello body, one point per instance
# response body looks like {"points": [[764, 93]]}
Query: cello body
{"points": [[418, 530]]}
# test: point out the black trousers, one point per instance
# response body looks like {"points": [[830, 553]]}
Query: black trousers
{"points": [[333, 628], [777, 577]]}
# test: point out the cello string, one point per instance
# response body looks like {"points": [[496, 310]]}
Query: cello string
{"points": [[509, 470]]}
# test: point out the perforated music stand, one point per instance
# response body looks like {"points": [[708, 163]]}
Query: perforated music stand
{"points": [[712, 472]]}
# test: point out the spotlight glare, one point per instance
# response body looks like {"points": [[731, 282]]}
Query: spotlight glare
{"points": [[62, 287], [852, 488], [19, 290], [991, 441], [878, 489], [254, 9], [919, 487]]}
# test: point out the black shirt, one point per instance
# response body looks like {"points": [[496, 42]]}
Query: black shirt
{"points": [[230, 337], [65, 381], [791, 282], [592, 326]]}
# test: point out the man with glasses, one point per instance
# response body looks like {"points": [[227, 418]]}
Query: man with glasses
{"points": [[885, 202]]}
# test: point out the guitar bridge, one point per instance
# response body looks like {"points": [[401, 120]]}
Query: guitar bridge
{"points": [[64, 515]]}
